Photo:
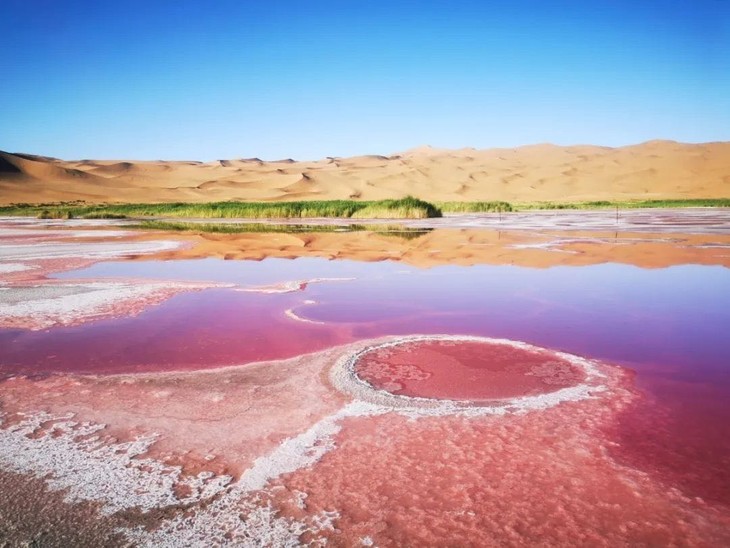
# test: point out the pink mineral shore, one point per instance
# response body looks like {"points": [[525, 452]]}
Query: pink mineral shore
{"points": [[327, 426], [383, 473]]}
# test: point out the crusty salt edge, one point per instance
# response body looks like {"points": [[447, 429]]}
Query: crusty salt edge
{"points": [[290, 286], [303, 450], [73, 456], [206, 527], [48, 234], [345, 379], [76, 458], [94, 299], [292, 315], [82, 250], [220, 522], [245, 523], [110, 473], [8, 268]]}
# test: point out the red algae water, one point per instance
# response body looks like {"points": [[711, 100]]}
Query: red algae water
{"points": [[392, 405], [464, 370]]}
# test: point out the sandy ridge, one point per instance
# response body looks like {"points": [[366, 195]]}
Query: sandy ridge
{"points": [[651, 170]]}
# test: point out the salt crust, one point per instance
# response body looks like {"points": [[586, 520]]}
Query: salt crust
{"points": [[292, 315], [34, 222], [290, 286], [78, 458], [345, 379], [45, 233], [82, 250], [7, 268], [92, 300], [220, 522], [75, 457]]}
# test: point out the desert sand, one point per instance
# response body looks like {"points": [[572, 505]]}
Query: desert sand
{"points": [[651, 170]]}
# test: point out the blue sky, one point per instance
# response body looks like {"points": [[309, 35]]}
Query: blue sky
{"points": [[308, 79]]}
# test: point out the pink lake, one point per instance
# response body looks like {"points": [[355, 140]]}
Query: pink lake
{"points": [[667, 327]]}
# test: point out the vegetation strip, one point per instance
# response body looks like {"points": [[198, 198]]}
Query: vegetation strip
{"points": [[405, 208]]}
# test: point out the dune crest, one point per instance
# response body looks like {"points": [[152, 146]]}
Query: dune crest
{"points": [[543, 172]]}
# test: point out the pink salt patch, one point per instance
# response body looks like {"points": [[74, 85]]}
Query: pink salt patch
{"points": [[40, 269], [465, 370], [544, 478]]}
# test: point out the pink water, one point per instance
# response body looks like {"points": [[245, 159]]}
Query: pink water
{"points": [[465, 370], [669, 326]]}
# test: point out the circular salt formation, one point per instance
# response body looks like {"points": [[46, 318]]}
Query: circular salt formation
{"points": [[444, 374], [465, 370]]}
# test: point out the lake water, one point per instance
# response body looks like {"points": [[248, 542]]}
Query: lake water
{"points": [[669, 327]]}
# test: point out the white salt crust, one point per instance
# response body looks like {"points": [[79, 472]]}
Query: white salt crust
{"points": [[292, 315], [220, 523], [345, 379], [78, 458], [82, 250], [45, 233], [290, 286], [35, 223], [44, 306], [74, 457], [8, 268]]}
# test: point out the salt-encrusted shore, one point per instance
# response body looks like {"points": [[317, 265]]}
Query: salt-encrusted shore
{"points": [[32, 300], [64, 304], [290, 286], [253, 462], [345, 378], [305, 451]]}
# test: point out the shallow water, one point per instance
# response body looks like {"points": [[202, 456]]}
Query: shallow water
{"points": [[673, 319], [666, 326], [473, 371]]}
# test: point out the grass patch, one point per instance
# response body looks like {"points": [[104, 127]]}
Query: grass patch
{"points": [[474, 207], [55, 214], [405, 208], [104, 215], [489, 207], [626, 204]]}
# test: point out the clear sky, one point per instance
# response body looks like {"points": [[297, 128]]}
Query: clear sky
{"points": [[210, 79]]}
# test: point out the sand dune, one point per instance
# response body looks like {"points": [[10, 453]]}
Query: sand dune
{"points": [[651, 170]]}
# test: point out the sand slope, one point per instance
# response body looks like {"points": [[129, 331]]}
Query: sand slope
{"points": [[655, 169]]}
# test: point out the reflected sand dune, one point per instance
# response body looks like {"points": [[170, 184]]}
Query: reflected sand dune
{"points": [[466, 247]]}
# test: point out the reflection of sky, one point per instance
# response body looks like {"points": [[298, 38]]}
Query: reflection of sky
{"points": [[671, 317]]}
